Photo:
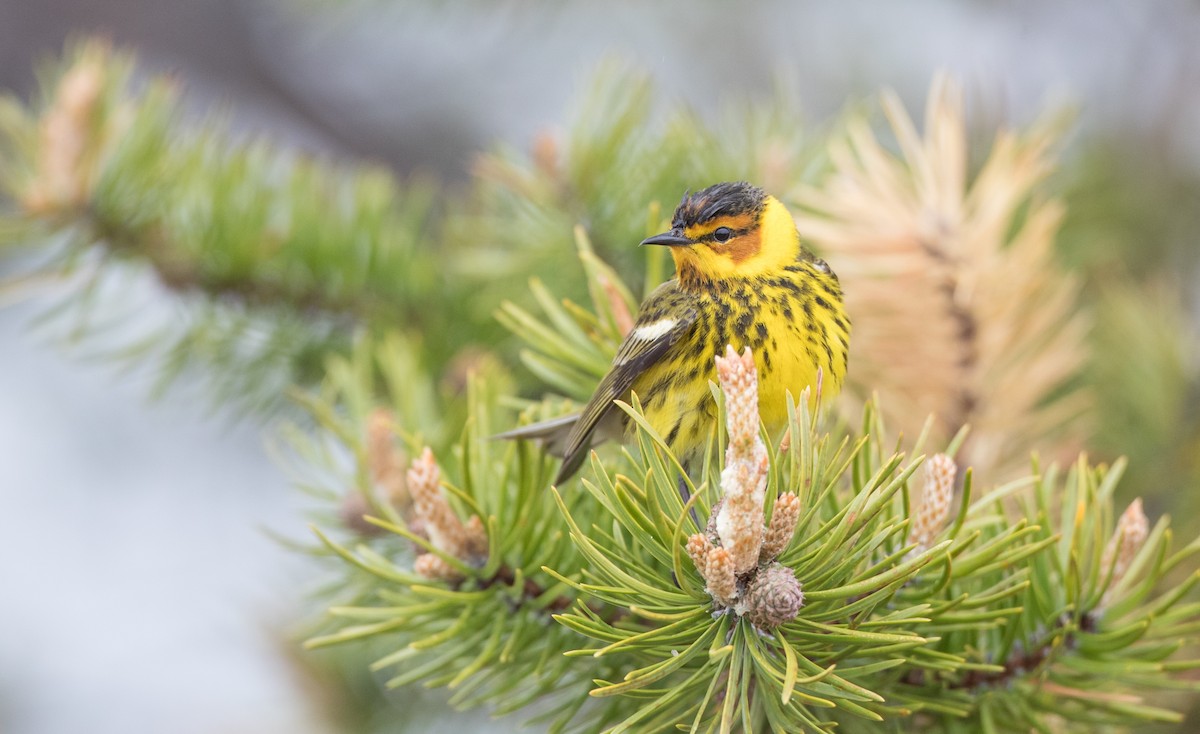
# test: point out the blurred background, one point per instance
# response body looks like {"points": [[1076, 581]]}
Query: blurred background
{"points": [[139, 587]]}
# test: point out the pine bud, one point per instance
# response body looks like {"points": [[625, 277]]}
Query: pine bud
{"points": [[773, 597], [783, 525], [1132, 530], [385, 462], [66, 132], [698, 547], [477, 540], [446, 532], [930, 513], [744, 480], [722, 580], [435, 568]]}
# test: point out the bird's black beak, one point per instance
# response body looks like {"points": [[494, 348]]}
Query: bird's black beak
{"points": [[668, 239]]}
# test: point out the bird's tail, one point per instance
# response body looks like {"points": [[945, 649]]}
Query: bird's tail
{"points": [[552, 434]]}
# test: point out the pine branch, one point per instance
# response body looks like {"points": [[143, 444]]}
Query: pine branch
{"points": [[960, 308], [237, 230], [447, 565]]}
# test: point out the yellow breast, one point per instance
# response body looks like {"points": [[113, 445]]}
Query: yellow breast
{"points": [[794, 324]]}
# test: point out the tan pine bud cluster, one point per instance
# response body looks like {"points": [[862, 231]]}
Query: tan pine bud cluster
{"points": [[721, 577], [715, 565], [735, 551], [783, 525], [477, 539], [66, 131], [385, 462], [446, 532], [773, 597], [1132, 530], [698, 546], [744, 480], [930, 512]]}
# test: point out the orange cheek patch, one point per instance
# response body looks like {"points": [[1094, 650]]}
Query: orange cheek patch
{"points": [[744, 247]]}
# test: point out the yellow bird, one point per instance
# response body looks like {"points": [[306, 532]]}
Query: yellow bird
{"points": [[742, 278]]}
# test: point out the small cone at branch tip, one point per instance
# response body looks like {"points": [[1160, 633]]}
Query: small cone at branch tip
{"points": [[65, 134], [379, 442], [698, 547], [738, 378], [931, 511], [385, 462], [1131, 532], [773, 597], [783, 525], [744, 479], [446, 532], [721, 578], [435, 568]]}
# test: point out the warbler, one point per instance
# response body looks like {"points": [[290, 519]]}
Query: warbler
{"points": [[742, 278]]}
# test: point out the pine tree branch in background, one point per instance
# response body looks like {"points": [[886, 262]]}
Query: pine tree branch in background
{"points": [[960, 308], [622, 163], [240, 220], [244, 231]]}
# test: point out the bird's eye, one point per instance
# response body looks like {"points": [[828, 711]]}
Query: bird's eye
{"points": [[722, 234]]}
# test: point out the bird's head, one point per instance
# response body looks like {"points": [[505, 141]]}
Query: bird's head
{"points": [[729, 230]]}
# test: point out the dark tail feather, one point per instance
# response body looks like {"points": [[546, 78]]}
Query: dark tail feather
{"points": [[553, 435], [571, 465]]}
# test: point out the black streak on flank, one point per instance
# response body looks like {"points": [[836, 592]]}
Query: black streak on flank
{"points": [[744, 322]]}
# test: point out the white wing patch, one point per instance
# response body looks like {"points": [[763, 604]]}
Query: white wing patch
{"points": [[653, 331]]}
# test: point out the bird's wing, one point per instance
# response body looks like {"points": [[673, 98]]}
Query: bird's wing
{"points": [[663, 319]]}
